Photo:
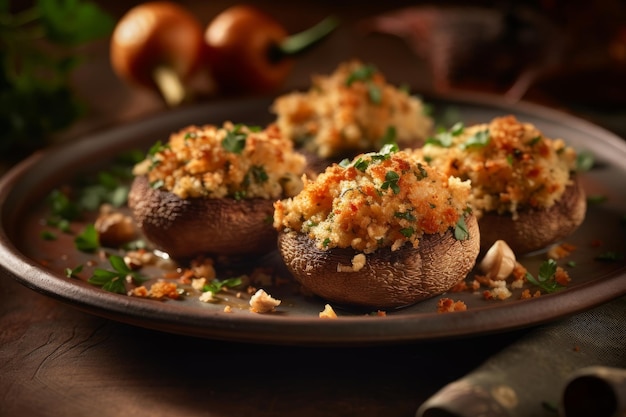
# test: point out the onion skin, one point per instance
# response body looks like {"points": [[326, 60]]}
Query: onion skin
{"points": [[156, 34], [389, 279], [238, 43], [186, 228], [535, 229]]}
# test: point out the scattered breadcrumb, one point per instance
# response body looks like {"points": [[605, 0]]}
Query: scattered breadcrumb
{"points": [[207, 297], [560, 251], [448, 305], [358, 262], [262, 302], [526, 294], [328, 312], [198, 283], [228, 309], [158, 290]]}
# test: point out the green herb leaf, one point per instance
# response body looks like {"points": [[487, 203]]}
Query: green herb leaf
{"points": [[460, 230], [443, 139], [363, 73], [391, 181], [74, 21], [217, 285], [584, 161], [235, 141], [390, 138], [407, 232], [258, 174], [546, 277], [407, 215], [596, 199], [73, 273], [374, 93], [609, 256], [88, 240], [478, 140], [114, 281]]}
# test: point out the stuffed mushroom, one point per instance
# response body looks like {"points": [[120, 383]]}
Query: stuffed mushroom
{"points": [[210, 189], [383, 230]]}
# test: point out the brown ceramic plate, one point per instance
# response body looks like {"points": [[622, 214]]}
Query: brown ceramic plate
{"points": [[40, 264]]}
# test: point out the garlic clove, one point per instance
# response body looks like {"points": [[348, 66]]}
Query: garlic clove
{"points": [[499, 261]]}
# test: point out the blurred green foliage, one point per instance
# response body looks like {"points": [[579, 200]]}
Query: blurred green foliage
{"points": [[38, 52]]}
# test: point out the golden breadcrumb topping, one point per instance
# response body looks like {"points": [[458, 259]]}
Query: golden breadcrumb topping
{"points": [[380, 199], [351, 111], [510, 164], [233, 160]]}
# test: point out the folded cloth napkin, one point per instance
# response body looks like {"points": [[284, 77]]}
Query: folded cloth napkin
{"points": [[571, 367]]}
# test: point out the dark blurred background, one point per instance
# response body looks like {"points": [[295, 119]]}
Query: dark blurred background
{"points": [[568, 54]]}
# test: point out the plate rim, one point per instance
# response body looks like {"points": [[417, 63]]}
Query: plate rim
{"points": [[253, 328]]}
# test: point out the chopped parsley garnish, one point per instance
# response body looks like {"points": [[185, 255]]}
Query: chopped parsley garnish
{"points": [[73, 273], [390, 136], [326, 242], [422, 173], [235, 140], [407, 231], [113, 281], [391, 181], [48, 235], [361, 164], [365, 74], [478, 140], [460, 230], [157, 184], [218, 285], [404, 215], [374, 93], [609, 256], [157, 147], [546, 279], [534, 141], [190, 135], [444, 138], [584, 161], [258, 174], [88, 240], [596, 199]]}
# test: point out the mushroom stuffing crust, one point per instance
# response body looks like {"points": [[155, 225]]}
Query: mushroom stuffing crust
{"points": [[210, 190], [350, 111], [524, 185], [382, 230]]}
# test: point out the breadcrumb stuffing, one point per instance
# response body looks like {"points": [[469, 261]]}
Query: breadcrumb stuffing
{"points": [[232, 160], [262, 302], [511, 164], [382, 199], [351, 111]]}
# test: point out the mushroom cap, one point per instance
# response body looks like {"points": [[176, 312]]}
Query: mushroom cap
{"points": [[536, 229], [185, 228], [389, 279]]}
